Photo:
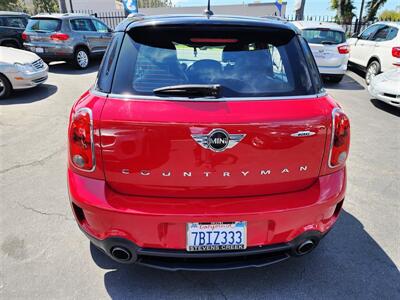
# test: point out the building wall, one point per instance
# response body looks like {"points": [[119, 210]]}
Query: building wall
{"points": [[94, 5]]}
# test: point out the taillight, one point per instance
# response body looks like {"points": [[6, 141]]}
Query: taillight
{"points": [[344, 49], [396, 52], [24, 36], [340, 142], [81, 147], [58, 36]]}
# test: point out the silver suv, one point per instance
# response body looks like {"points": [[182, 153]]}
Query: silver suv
{"points": [[71, 37]]}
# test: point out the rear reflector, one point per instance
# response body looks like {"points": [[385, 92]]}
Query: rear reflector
{"points": [[212, 40], [343, 49], [81, 146], [340, 142], [59, 36], [396, 52]]}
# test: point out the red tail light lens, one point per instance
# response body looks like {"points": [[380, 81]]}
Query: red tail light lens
{"points": [[343, 49], [24, 36], [396, 52], [340, 142], [59, 36], [81, 140]]}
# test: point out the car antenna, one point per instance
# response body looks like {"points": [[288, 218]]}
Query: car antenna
{"points": [[208, 12]]}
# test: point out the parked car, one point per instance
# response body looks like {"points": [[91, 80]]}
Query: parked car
{"points": [[71, 37], [20, 69], [329, 47], [386, 87], [12, 25], [376, 49], [208, 142]]}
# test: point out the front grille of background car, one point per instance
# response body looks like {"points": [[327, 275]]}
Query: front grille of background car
{"points": [[38, 64]]}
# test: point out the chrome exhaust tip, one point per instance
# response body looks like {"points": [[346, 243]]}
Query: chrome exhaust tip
{"points": [[305, 247], [121, 254]]}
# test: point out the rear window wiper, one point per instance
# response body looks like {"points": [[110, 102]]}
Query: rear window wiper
{"points": [[190, 90], [328, 43]]}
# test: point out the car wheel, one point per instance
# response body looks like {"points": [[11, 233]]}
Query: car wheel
{"points": [[81, 58], [373, 69], [5, 87]]}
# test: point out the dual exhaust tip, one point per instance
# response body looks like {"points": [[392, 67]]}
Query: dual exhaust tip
{"points": [[305, 247], [121, 254], [124, 255]]}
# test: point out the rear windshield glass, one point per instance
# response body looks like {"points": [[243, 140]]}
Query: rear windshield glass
{"points": [[324, 36], [253, 62], [45, 25]]}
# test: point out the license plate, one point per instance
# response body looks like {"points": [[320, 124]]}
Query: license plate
{"points": [[224, 236], [38, 50]]}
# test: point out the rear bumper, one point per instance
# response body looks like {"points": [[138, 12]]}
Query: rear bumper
{"points": [[51, 52], [160, 223], [337, 70]]}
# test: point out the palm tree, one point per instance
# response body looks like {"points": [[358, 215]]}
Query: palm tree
{"points": [[372, 8], [344, 10]]}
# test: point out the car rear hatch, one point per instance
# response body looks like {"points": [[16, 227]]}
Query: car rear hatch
{"points": [[324, 44], [40, 30], [242, 118]]}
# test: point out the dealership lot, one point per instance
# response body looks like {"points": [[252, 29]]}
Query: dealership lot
{"points": [[44, 255]]}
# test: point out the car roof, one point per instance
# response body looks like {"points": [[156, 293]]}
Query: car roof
{"points": [[13, 13], [141, 20], [62, 16], [312, 25]]}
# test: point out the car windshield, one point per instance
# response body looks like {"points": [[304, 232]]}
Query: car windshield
{"points": [[45, 25], [324, 36], [251, 63]]}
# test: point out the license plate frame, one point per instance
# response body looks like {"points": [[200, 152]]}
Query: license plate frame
{"points": [[214, 241]]}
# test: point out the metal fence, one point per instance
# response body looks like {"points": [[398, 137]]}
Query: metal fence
{"points": [[113, 18]]}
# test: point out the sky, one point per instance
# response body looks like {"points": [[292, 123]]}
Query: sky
{"points": [[312, 7]]}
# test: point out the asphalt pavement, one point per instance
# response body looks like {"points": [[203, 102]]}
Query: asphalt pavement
{"points": [[43, 254]]}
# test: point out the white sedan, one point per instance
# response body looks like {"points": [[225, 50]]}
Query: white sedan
{"points": [[20, 69], [386, 87]]}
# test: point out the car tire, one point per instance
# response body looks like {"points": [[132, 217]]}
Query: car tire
{"points": [[334, 78], [81, 58], [5, 87], [373, 69]]}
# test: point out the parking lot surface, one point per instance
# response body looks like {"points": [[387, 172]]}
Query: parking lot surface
{"points": [[44, 255]]}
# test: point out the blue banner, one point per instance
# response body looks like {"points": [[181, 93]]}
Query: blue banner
{"points": [[278, 4], [130, 6]]}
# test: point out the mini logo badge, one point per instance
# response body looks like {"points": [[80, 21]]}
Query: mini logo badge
{"points": [[218, 140]]}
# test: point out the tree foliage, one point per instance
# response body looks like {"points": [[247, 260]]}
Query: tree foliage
{"points": [[344, 10], [47, 6], [13, 5], [390, 15], [372, 9]]}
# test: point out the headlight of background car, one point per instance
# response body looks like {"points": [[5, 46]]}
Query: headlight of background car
{"points": [[25, 68]]}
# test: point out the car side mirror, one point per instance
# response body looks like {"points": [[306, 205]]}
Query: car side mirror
{"points": [[110, 30]]}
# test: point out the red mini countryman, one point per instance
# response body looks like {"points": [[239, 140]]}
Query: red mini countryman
{"points": [[207, 143]]}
